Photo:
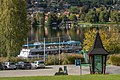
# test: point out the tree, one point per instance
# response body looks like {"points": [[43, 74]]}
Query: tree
{"points": [[73, 2], [115, 16], [109, 2], [104, 16], [84, 9], [73, 17], [91, 16], [74, 9], [13, 25], [110, 40], [82, 17], [114, 46], [95, 3], [64, 17]]}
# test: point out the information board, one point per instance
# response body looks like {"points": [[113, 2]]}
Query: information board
{"points": [[98, 63], [78, 62]]}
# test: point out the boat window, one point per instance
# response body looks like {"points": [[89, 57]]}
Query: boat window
{"points": [[37, 47]]}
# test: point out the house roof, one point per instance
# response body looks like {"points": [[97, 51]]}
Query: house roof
{"points": [[97, 47]]}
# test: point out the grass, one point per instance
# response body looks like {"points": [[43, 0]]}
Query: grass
{"points": [[83, 77]]}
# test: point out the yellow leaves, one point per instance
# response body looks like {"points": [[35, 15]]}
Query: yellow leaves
{"points": [[110, 39], [89, 39]]}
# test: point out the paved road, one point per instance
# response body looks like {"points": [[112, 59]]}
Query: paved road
{"points": [[50, 71]]}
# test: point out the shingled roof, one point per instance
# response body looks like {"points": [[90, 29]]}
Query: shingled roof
{"points": [[97, 47]]}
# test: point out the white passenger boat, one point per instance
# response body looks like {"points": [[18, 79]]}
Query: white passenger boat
{"points": [[37, 49]]}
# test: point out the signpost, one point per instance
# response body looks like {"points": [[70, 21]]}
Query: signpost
{"points": [[78, 63]]}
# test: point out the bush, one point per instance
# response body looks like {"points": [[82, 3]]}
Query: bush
{"points": [[50, 60], [64, 59], [114, 59], [16, 59], [12, 59], [72, 57], [3, 59]]}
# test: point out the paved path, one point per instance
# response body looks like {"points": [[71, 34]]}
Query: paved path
{"points": [[113, 69], [50, 71]]}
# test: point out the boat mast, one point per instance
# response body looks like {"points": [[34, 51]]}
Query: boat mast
{"points": [[27, 43], [59, 50], [44, 49]]}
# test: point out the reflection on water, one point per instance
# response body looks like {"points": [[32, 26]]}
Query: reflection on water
{"points": [[76, 33]]}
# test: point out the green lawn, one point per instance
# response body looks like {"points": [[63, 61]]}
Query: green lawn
{"points": [[83, 77]]}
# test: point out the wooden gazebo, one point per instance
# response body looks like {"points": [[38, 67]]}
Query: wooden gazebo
{"points": [[97, 56]]}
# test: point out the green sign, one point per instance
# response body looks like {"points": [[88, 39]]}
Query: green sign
{"points": [[98, 63]]}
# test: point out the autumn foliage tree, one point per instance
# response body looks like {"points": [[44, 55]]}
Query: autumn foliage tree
{"points": [[110, 40]]}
